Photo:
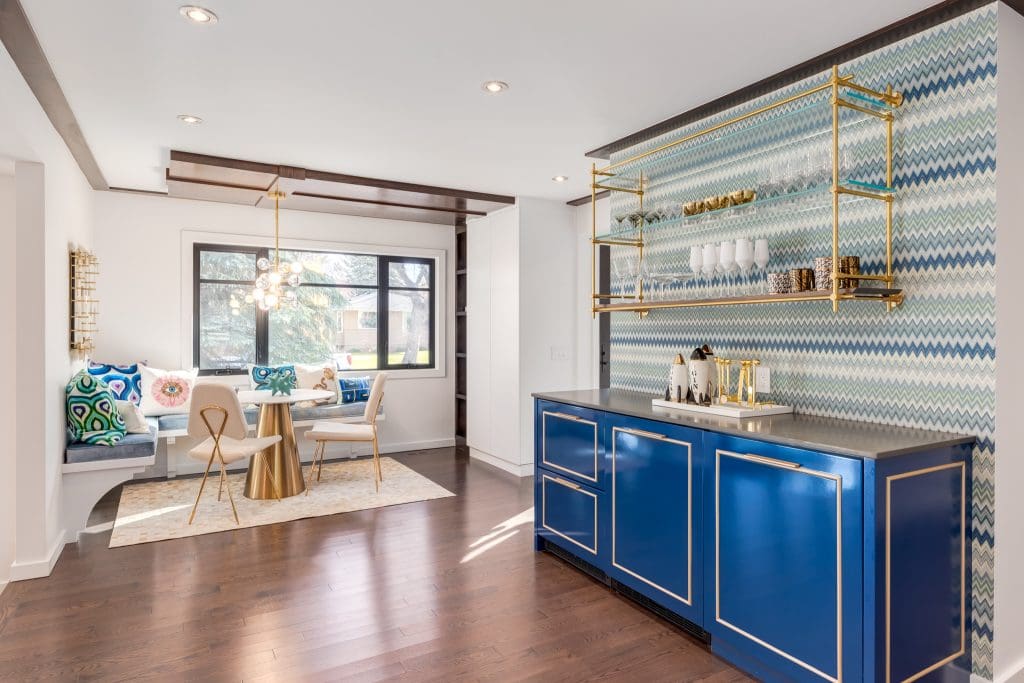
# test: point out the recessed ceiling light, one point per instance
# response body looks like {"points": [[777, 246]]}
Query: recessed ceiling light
{"points": [[560, 178], [198, 15], [190, 119], [495, 87]]}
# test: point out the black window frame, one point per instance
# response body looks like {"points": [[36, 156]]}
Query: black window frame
{"points": [[262, 341]]}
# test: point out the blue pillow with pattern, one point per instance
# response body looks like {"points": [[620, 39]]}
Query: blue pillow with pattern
{"points": [[92, 416], [354, 389], [125, 381], [260, 375]]}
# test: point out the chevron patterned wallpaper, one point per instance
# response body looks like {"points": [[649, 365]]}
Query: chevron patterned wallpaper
{"points": [[929, 363]]}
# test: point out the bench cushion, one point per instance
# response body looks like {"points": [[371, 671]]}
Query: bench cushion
{"points": [[131, 446], [169, 423]]}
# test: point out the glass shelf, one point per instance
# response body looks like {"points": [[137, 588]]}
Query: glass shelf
{"points": [[802, 200], [815, 119], [894, 296]]}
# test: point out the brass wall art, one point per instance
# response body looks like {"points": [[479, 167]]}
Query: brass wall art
{"points": [[84, 306]]}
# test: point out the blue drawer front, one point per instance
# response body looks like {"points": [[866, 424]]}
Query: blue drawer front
{"points": [[568, 514], [655, 494], [786, 558], [569, 441], [926, 541]]}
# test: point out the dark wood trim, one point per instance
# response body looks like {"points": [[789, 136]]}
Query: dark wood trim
{"points": [[580, 201], [378, 202], [408, 187], [224, 162], [132, 190], [915, 23], [21, 42], [216, 183]]}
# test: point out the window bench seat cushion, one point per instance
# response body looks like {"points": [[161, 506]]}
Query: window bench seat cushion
{"points": [[131, 446], [174, 423]]}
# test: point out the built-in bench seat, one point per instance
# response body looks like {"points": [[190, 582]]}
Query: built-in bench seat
{"points": [[131, 446]]}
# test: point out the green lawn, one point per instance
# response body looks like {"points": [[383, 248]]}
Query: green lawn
{"points": [[368, 361]]}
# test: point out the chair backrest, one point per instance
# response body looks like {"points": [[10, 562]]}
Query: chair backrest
{"points": [[376, 395], [216, 394]]}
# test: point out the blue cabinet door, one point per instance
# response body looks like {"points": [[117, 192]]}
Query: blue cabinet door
{"points": [[569, 514], [785, 553], [567, 441], [655, 489]]}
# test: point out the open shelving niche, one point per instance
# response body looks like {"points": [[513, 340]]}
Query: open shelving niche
{"points": [[636, 176]]}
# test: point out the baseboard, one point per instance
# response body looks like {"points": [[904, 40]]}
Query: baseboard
{"points": [[20, 571], [1014, 676], [3, 585], [494, 461]]}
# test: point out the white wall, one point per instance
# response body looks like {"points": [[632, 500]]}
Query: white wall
{"points": [[587, 337], [53, 214], [141, 241], [7, 403], [1008, 644]]}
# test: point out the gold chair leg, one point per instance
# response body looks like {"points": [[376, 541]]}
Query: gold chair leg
{"points": [[312, 466], [231, 498], [200, 494], [270, 472], [376, 464], [320, 467], [220, 489]]}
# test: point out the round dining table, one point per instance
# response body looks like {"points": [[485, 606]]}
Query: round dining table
{"points": [[283, 457]]}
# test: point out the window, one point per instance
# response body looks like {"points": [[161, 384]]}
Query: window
{"points": [[365, 311]]}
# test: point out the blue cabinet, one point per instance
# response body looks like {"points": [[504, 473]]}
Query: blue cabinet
{"points": [[784, 569], [799, 565], [655, 488]]}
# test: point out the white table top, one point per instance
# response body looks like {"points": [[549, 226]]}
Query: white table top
{"points": [[264, 396]]}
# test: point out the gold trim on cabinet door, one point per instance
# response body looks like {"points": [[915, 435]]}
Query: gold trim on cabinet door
{"points": [[544, 442], [888, 567], [544, 509], [789, 467], [688, 600]]}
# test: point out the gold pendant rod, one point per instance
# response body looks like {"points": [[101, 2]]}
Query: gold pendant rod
{"points": [[835, 189]]}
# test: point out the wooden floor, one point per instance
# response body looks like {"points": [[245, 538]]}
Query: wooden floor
{"points": [[444, 590]]}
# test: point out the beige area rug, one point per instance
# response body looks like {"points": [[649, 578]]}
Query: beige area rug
{"points": [[159, 510]]}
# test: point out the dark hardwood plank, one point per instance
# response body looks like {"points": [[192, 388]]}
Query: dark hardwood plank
{"points": [[375, 595]]}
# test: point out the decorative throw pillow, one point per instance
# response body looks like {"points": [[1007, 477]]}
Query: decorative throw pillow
{"points": [[134, 420], [355, 389], [321, 377], [260, 374], [166, 392], [124, 380], [92, 413]]}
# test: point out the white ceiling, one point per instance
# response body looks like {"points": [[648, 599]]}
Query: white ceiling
{"points": [[392, 89]]}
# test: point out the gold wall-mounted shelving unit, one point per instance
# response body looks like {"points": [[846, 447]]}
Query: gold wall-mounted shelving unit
{"points": [[628, 176], [84, 268]]}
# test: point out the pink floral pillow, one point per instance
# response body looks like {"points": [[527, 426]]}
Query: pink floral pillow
{"points": [[166, 392]]}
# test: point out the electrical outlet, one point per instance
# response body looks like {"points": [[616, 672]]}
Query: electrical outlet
{"points": [[764, 380]]}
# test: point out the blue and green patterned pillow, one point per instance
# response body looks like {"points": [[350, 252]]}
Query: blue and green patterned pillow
{"points": [[354, 389], [259, 375], [125, 381], [92, 412]]}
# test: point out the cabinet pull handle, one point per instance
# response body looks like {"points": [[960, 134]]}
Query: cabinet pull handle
{"points": [[565, 416], [640, 432], [773, 461], [565, 482]]}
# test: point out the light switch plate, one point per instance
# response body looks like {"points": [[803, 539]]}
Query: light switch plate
{"points": [[764, 380], [559, 353]]}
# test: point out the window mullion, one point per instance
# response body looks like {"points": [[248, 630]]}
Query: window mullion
{"points": [[383, 263]]}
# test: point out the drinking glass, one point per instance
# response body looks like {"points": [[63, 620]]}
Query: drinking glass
{"points": [[696, 259], [727, 260], [646, 281], [709, 262], [761, 257], [744, 256]]}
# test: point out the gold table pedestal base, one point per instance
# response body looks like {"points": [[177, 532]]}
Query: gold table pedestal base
{"points": [[283, 457]]}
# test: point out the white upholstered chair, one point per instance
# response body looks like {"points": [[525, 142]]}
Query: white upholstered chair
{"points": [[324, 432], [216, 414]]}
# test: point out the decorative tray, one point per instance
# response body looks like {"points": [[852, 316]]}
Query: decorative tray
{"points": [[724, 409]]}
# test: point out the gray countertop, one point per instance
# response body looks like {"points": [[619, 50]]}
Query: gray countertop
{"points": [[845, 437]]}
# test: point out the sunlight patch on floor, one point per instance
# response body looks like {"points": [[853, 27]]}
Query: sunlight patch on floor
{"points": [[498, 535]]}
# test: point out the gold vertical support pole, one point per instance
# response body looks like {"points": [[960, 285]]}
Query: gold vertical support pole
{"points": [[888, 201], [835, 188], [593, 238], [640, 239]]}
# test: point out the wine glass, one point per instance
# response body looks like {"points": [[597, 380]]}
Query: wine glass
{"points": [[696, 259], [761, 255], [727, 260], [646, 281], [744, 256], [709, 262]]}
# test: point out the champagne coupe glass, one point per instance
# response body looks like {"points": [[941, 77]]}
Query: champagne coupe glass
{"points": [[761, 258], [727, 259], [744, 257]]}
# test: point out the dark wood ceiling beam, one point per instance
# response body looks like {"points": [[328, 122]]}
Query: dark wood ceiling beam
{"points": [[408, 187], [23, 46], [915, 23], [378, 202]]}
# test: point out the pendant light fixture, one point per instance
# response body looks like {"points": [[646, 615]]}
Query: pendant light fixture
{"points": [[277, 282]]}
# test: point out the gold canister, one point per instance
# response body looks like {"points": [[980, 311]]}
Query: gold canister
{"points": [[693, 208], [849, 265], [801, 279]]}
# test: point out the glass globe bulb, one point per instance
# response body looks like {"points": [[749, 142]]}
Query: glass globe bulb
{"points": [[257, 294], [263, 305], [290, 296], [262, 281], [293, 280], [297, 267], [275, 278], [270, 300], [263, 263]]}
